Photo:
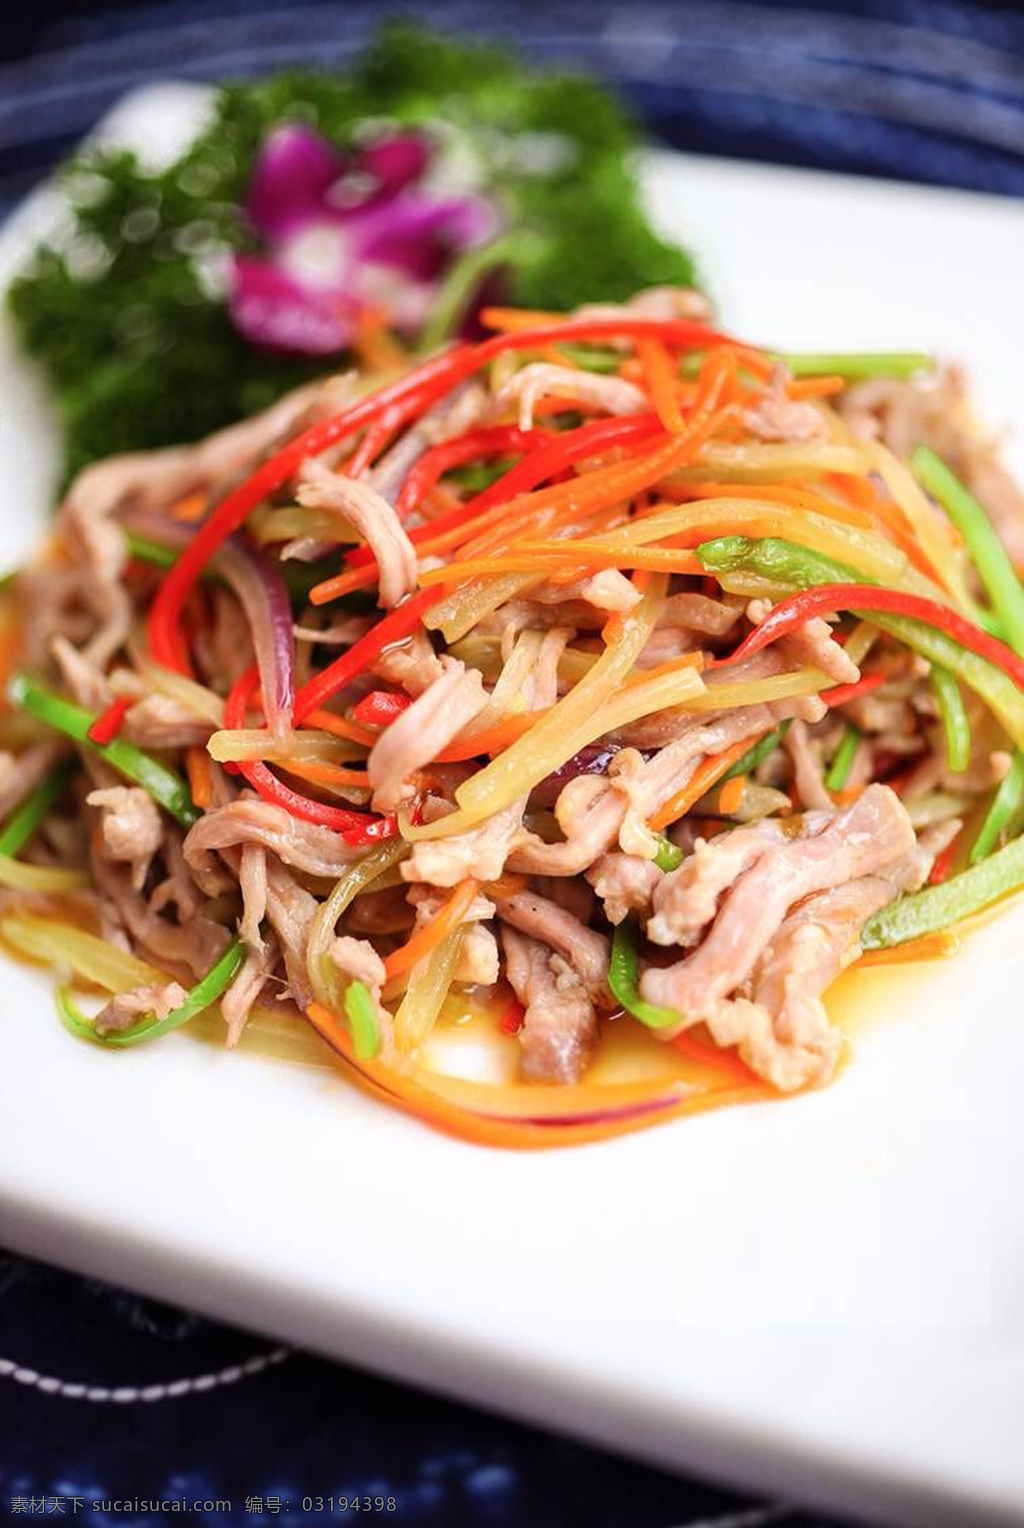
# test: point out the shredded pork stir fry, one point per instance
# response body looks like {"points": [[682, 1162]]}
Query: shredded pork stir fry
{"points": [[612, 675]]}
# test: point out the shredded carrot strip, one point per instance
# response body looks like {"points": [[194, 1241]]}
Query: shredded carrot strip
{"points": [[431, 934], [659, 375], [780, 493], [340, 726], [319, 773], [730, 796], [684, 392], [509, 320], [857, 489], [889, 516], [200, 776], [815, 387], [592, 492], [579, 559], [706, 1051], [540, 512], [507, 529], [191, 506], [694, 660], [622, 480], [491, 739], [440, 1113], [10, 646], [438, 501], [753, 361], [702, 779], [344, 583], [375, 348], [570, 573], [942, 942], [507, 885], [640, 580], [849, 794], [718, 377], [558, 358]]}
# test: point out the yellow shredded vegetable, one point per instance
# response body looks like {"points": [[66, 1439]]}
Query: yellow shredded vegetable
{"points": [[256, 743], [63, 945], [291, 521], [460, 611], [754, 692], [187, 692], [871, 554], [429, 981], [930, 528], [558, 735], [323, 974], [763, 462], [270, 1032], [861, 640], [22, 877]]}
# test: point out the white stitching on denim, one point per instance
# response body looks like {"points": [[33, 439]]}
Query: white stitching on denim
{"points": [[123, 1395]]}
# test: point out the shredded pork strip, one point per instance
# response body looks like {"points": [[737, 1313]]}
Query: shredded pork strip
{"points": [[584, 949], [373, 519], [625, 883], [808, 775], [238, 1001], [124, 1010], [542, 379], [478, 958], [21, 773], [131, 827], [559, 1022], [305, 845], [422, 731], [868, 837], [192, 946], [686, 899], [817, 940], [482, 852], [592, 811], [775, 416]]}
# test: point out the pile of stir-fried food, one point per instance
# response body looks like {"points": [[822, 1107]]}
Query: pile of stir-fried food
{"points": [[612, 669]]}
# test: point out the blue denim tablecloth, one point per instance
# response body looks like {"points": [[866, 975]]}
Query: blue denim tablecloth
{"points": [[104, 1395]]}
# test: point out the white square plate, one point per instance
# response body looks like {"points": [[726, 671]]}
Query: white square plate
{"points": [[822, 1297]]}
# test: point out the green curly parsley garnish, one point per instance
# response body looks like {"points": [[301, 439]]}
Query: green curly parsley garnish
{"points": [[126, 317]]}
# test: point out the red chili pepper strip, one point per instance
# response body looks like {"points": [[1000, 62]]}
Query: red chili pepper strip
{"points": [[357, 827], [501, 441], [108, 724], [539, 466], [267, 785], [564, 451], [844, 692], [824, 598], [372, 444], [943, 863], [408, 396], [380, 708], [396, 624], [511, 1020]]}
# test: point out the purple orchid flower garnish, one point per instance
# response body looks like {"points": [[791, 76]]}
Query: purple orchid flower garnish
{"points": [[342, 233]]}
